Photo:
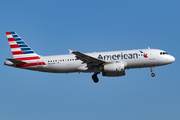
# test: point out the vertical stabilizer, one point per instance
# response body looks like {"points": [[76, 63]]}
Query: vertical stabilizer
{"points": [[21, 51]]}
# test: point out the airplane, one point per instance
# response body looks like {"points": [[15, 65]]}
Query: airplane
{"points": [[111, 64]]}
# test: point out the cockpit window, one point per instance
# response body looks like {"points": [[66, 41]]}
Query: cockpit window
{"points": [[163, 53]]}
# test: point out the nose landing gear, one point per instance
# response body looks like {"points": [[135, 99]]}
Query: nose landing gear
{"points": [[152, 74]]}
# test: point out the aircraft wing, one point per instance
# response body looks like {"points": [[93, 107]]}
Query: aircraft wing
{"points": [[87, 59]]}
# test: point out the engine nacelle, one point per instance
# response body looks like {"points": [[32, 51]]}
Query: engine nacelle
{"points": [[113, 67]]}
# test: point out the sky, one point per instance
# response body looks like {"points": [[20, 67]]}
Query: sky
{"points": [[51, 27]]}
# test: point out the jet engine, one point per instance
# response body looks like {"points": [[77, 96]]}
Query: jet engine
{"points": [[113, 67], [113, 70]]}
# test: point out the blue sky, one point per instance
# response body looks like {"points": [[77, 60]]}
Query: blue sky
{"points": [[53, 27]]}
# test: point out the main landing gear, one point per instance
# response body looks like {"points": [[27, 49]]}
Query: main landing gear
{"points": [[95, 78], [152, 74]]}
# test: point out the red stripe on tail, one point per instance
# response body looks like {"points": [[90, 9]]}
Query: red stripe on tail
{"points": [[14, 46], [8, 33], [17, 52], [27, 58], [11, 39]]}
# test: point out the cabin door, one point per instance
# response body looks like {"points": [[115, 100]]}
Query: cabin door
{"points": [[151, 55]]}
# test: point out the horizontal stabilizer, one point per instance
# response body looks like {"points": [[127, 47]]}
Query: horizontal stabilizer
{"points": [[15, 61]]}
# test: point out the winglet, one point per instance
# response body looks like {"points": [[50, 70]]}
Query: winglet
{"points": [[70, 51]]}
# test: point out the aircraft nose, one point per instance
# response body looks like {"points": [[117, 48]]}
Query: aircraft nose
{"points": [[171, 59]]}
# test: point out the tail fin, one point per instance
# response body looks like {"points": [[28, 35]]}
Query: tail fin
{"points": [[20, 50], [18, 47]]}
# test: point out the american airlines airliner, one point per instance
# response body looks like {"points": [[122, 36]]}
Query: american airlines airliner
{"points": [[111, 64]]}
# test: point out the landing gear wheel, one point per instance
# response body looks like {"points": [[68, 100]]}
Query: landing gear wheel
{"points": [[95, 78], [152, 74]]}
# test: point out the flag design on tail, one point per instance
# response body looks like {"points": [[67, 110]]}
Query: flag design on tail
{"points": [[22, 52]]}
